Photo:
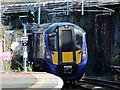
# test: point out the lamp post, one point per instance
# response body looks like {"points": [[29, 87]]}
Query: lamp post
{"points": [[82, 7], [67, 10], [39, 12]]}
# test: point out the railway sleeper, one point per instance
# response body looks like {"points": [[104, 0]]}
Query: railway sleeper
{"points": [[104, 81], [90, 86], [102, 84]]}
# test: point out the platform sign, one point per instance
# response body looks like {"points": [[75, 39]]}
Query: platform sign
{"points": [[25, 55], [6, 56], [24, 38], [25, 41]]}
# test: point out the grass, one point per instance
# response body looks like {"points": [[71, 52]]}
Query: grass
{"points": [[18, 64]]}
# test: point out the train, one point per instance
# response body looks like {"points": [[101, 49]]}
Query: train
{"points": [[58, 48]]}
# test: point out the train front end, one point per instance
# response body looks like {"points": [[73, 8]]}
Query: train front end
{"points": [[66, 50]]}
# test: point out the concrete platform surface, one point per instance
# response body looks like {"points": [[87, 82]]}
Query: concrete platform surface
{"points": [[30, 80]]}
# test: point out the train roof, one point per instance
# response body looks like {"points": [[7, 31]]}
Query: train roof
{"points": [[35, 28]]}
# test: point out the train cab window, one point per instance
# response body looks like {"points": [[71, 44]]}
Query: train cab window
{"points": [[67, 40], [78, 39], [52, 42]]}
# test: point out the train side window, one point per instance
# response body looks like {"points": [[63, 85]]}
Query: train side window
{"points": [[38, 45], [52, 41], [78, 39]]}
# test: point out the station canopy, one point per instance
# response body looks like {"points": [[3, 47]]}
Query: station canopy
{"points": [[22, 6], [32, 0], [105, 1]]}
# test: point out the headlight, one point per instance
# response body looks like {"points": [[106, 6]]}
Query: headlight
{"points": [[48, 56], [84, 53], [83, 56]]}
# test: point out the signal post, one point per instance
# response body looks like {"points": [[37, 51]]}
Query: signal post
{"points": [[25, 53], [30, 18], [24, 41]]}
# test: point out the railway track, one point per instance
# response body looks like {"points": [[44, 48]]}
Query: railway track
{"points": [[103, 83], [93, 84]]}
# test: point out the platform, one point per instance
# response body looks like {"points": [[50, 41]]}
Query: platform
{"points": [[31, 80]]}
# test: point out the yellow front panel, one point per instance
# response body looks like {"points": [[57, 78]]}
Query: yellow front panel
{"points": [[78, 56], [67, 57], [55, 57]]}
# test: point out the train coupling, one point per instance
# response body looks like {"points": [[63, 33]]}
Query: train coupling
{"points": [[67, 69]]}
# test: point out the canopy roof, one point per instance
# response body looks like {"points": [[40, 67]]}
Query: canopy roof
{"points": [[22, 6], [98, 1]]}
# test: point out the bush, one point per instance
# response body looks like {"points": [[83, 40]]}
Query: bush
{"points": [[116, 60], [19, 66]]}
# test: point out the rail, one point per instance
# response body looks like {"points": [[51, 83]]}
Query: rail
{"points": [[102, 83], [88, 83]]}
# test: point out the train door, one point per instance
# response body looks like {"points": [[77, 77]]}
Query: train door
{"points": [[78, 45], [36, 49], [30, 46], [66, 45], [53, 45]]}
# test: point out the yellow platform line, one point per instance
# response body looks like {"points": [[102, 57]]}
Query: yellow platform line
{"points": [[39, 82], [42, 80]]}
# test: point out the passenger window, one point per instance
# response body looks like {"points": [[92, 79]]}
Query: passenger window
{"points": [[78, 41], [52, 42]]}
